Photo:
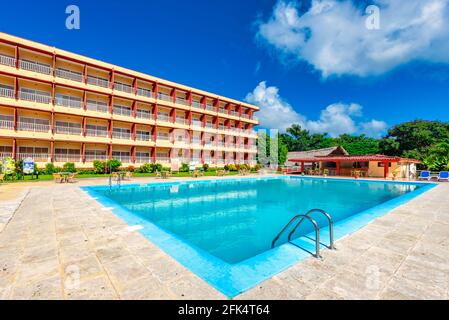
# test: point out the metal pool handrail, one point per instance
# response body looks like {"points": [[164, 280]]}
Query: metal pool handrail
{"points": [[317, 230], [331, 226]]}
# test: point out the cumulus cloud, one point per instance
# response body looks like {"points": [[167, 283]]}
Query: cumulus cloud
{"points": [[335, 119], [332, 35], [274, 111]]}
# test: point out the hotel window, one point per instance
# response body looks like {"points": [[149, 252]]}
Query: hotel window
{"points": [[33, 150], [122, 110], [121, 133], [96, 130], [68, 101], [143, 135], [5, 149], [68, 127], [35, 95], [33, 124], [6, 91], [93, 154], [142, 113]]}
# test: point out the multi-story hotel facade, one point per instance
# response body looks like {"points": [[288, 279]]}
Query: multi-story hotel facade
{"points": [[57, 106]]}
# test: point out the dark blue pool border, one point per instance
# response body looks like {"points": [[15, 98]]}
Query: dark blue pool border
{"points": [[232, 280]]}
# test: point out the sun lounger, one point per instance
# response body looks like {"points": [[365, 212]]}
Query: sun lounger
{"points": [[71, 177], [425, 175], [58, 177], [443, 176]]}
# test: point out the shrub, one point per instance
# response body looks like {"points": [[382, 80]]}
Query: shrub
{"points": [[257, 167], [113, 165], [86, 171], [145, 168], [69, 167], [156, 167], [19, 168], [232, 167], [205, 167], [131, 168], [184, 168], [99, 166]]}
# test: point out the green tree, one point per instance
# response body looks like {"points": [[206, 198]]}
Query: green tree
{"points": [[415, 138], [356, 145]]}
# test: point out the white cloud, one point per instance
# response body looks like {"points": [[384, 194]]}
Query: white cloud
{"points": [[373, 128], [335, 119], [331, 35], [274, 111]]}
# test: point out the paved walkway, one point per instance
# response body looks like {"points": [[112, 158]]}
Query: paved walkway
{"points": [[61, 244]]}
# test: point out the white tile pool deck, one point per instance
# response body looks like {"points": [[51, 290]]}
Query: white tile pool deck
{"points": [[62, 244]]}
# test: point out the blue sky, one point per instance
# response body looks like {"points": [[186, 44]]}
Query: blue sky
{"points": [[230, 47]]}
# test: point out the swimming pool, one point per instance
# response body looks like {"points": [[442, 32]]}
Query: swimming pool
{"points": [[222, 230]]}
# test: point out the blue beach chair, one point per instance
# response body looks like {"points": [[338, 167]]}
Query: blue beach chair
{"points": [[443, 176], [425, 175]]}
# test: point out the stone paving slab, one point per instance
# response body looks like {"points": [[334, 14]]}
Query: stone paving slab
{"points": [[62, 244]]}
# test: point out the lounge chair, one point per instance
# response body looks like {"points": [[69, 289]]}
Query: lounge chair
{"points": [[58, 177], [128, 175], [71, 177], [425, 175], [443, 176]]}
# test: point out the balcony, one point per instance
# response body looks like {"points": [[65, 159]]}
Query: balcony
{"points": [[163, 159], [7, 60], [96, 106], [144, 92], [69, 102], [97, 133], [234, 113], [182, 121], [35, 97], [143, 159], [7, 124], [144, 114], [40, 157], [196, 140], [68, 130], [210, 107], [164, 117], [122, 111], [36, 127], [100, 82], [35, 67], [5, 155], [67, 157], [121, 135], [197, 123], [143, 137], [163, 137], [182, 101], [164, 97], [122, 158], [196, 104], [123, 87], [69, 75], [209, 125], [93, 157], [7, 92]]}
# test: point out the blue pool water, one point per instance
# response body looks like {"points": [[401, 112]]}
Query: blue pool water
{"points": [[230, 224]]}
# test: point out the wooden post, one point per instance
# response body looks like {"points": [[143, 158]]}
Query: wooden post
{"points": [[338, 167], [302, 166]]}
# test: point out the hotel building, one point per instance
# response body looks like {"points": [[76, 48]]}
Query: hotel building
{"points": [[57, 106]]}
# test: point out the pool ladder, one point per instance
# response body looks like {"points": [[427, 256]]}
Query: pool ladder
{"points": [[304, 217]]}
